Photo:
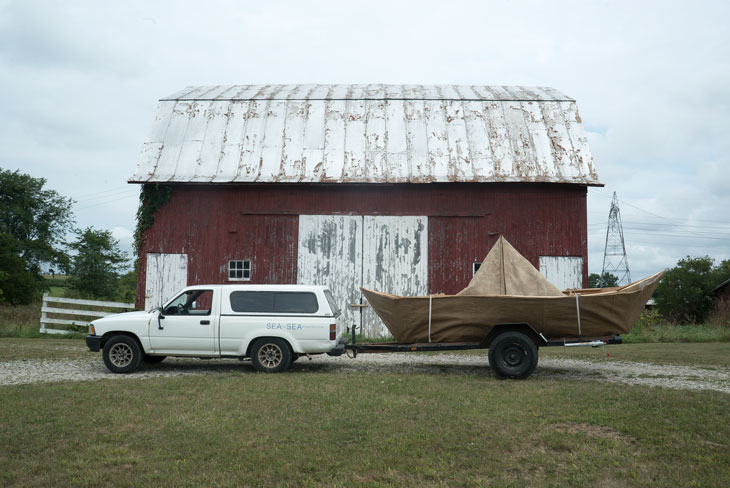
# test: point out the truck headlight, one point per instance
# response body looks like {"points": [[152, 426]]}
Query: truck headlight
{"points": [[92, 331]]}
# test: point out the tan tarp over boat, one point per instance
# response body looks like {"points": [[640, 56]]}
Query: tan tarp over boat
{"points": [[507, 289]]}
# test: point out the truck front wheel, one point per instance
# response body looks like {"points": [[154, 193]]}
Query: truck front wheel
{"points": [[271, 355], [122, 354], [513, 355]]}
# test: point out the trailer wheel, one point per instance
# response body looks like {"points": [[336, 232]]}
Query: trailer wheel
{"points": [[513, 355], [271, 355], [122, 354]]}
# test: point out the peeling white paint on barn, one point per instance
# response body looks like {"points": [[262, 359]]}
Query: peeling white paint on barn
{"points": [[366, 134], [345, 252], [166, 274], [563, 271], [395, 258], [330, 254]]}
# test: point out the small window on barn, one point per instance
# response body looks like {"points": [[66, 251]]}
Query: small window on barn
{"points": [[239, 270], [475, 267]]}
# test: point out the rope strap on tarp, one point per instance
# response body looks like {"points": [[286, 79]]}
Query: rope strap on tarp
{"points": [[577, 309], [430, 307]]}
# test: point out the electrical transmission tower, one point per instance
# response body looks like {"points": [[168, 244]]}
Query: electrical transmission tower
{"points": [[614, 254]]}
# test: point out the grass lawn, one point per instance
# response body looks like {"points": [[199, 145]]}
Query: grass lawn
{"points": [[240, 428], [692, 354]]}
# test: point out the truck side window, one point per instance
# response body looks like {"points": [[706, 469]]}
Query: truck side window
{"points": [[273, 302], [295, 302]]}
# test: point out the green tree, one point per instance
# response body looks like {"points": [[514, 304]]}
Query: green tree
{"points": [[605, 280], [17, 284], [33, 223], [683, 295], [127, 289], [722, 272], [96, 264]]}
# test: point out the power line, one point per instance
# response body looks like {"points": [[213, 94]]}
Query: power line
{"points": [[106, 195], [98, 204], [667, 225], [85, 195], [624, 202]]}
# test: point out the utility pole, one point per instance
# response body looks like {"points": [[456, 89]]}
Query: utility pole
{"points": [[614, 254]]}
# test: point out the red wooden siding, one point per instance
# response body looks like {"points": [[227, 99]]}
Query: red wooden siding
{"points": [[536, 223], [213, 224], [211, 233]]}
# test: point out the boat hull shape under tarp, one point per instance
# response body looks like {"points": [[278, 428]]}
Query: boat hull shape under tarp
{"points": [[469, 316]]}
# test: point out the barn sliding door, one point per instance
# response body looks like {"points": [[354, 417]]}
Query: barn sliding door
{"points": [[395, 260], [330, 253], [345, 252]]}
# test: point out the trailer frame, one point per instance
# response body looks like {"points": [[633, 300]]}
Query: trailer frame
{"points": [[354, 348]]}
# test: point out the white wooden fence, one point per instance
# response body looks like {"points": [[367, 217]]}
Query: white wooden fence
{"points": [[87, 313]]}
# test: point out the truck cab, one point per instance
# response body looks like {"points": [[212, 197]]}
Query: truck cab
{"points": [[270, 324]]}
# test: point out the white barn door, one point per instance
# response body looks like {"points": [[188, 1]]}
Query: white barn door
{"points": [[330, 254], [395, 260], [345, 252], [562, 271], [165, 274]]}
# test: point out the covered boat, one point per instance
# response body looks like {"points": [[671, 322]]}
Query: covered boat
{"points": [[508, 290]]}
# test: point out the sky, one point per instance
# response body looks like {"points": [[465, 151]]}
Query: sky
{"points": [[80, 80]]}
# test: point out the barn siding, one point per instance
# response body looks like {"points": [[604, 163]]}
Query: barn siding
{"points": [[215, 223], [536, 222], [212, 232]]}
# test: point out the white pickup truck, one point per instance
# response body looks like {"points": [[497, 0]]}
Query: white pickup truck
{"points": [[271, 324]]}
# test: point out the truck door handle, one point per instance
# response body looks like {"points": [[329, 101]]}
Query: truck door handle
{"points": [[205, 322]]}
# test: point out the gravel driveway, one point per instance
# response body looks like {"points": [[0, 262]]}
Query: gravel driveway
{"points": [[635, 373]]}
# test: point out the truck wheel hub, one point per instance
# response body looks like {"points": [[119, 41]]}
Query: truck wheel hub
{"points": [[120, 355], [270, 355]]}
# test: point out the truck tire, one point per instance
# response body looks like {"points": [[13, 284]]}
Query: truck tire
{"points": [[271, 355], [122, 354], [153, 359], [513, 355]]}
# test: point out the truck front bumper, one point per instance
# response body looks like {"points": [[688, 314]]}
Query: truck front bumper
{"points": [[94, 342]]}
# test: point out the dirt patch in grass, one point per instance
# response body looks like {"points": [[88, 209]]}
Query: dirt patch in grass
{"points": [[591, 430]]}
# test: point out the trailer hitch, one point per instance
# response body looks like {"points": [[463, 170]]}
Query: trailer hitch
{"points": [[354, 341]]}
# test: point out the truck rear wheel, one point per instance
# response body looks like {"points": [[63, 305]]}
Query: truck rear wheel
{"points": [[513, 355], [271, 355], [122, 354]]}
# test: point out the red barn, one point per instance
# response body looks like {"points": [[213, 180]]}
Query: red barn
{"points": [[400, 188]]}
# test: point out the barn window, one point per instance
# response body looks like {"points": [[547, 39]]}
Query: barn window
{"points": [[475, 267], [239, 270]]}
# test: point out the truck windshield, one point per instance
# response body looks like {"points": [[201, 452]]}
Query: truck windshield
{"points": [[333, 304]]}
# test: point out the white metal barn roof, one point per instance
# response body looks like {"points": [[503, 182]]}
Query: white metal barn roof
{"points": [[366, 134]]}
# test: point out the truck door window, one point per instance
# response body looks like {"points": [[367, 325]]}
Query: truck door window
{"points": [[191, 302]]}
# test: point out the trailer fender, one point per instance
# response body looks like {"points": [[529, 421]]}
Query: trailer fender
{"points": [[525, 328]]}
